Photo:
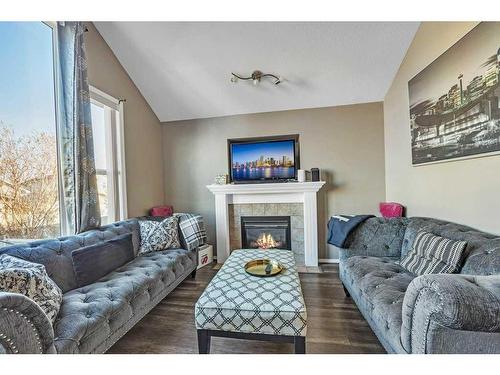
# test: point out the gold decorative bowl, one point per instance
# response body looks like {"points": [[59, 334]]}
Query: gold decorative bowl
{"points": [[263, 267]]}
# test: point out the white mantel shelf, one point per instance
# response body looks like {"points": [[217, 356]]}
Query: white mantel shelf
{"points": [[283, 192], [266, 188]]}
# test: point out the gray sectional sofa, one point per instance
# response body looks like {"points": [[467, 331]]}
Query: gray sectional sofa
{"points": [[91, 318], [440, 313]]}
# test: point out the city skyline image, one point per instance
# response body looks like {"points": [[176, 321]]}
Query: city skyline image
{"points": [[263, 160], [260, 154], [454, 101]]}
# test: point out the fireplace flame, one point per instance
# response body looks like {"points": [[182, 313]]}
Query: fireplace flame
{"points": [[266, 241]]}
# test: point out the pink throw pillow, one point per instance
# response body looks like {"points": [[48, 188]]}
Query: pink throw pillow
{"points": [[391, 209], [163, 211]]}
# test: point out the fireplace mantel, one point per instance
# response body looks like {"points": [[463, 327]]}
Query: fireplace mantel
{"points": [[289, 192]]}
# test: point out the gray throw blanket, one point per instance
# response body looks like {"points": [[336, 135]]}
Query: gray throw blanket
{"points": [[339, 227]]}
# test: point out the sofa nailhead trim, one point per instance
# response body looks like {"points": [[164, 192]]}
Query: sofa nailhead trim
{"points": [[427, 318], [37, 336]]}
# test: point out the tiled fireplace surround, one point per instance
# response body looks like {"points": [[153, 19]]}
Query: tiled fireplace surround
{"points": [[294, 210]]}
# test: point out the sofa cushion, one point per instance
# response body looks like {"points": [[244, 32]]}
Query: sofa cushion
{"points": [[192, 228], [55, 254], [376, 237], [482, 254], [433, 254], [378, 286], [156, 236], [95, 261], [32, 281], [89, 315]]}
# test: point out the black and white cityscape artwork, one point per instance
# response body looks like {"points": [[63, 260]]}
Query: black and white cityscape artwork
{"points": [[454, 102]]}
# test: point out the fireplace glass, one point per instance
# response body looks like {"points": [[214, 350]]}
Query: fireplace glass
{"points": [[265, 232]]}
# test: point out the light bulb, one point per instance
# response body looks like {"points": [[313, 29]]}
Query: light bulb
{"points": [[234, 79], [255, 82]]}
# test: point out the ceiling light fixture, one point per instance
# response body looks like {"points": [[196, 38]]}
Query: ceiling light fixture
{"points": [[256, 76]]}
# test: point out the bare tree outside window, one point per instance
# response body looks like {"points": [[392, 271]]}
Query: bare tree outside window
{"points": [[29, 194], [29, 206]]}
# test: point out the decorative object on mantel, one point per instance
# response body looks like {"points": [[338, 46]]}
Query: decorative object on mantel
{"points": [[301, 175], [315, 174], [454, 111], [221, 179], [256, 76]]}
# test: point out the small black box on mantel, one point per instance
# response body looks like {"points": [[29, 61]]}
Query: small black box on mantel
{"points": [[314, 174]]}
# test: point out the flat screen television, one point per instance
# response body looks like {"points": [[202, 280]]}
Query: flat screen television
{"points": [[263, 159]]}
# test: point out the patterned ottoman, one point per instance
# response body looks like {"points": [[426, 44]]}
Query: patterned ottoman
{"points": [[238, 305]]}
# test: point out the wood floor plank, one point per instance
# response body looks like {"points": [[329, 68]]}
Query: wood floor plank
{"points": [[335, 325]]}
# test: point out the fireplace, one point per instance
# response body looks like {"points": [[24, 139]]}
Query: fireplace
{"points": [[265, 232], [298, 200]]}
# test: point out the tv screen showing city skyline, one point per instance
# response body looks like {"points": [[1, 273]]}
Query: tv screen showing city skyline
{"points": [[263, 160]]}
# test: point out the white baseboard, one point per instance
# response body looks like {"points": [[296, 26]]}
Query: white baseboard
{"points": [[328, 260]]}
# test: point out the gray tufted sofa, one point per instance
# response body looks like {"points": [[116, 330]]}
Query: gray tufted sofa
{"points": [[443, 313], [92, 318]]}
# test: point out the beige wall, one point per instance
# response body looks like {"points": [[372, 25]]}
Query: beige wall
{"points": [[345, 142], [465, 191], [143, 147]]}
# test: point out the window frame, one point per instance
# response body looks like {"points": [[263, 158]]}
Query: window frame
{"points": [[63, 220], [64, 227], [115, 151]]}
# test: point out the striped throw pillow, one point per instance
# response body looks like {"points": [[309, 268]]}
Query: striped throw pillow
{"points": [[433, 254]]}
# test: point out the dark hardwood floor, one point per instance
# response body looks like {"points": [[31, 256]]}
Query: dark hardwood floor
{"points": [[334, 323]]}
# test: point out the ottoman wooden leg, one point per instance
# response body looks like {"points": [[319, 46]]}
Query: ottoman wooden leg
{"points": [[203, 341], [300, 345]]}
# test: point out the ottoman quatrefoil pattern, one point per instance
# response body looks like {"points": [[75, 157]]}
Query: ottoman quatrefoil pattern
{"points": [[238, 302]]}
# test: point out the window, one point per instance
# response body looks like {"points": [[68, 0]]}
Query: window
{"points": [[31, 205], [109, 156], [29, 195]]}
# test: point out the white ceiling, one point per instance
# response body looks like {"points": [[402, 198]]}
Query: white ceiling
{"points": [[183, 68]]}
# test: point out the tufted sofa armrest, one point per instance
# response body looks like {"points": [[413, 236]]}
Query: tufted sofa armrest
{"points": [[446, 313], [24, 327]]}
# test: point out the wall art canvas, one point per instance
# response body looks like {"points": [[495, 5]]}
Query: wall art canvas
{"points": [[454, 102]]}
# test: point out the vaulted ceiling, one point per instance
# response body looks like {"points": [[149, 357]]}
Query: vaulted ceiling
{"points": [[183, 69]]}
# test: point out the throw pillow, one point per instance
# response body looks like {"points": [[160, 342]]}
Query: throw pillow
{"points": [[193, 230], [156, 236], [433, 254], [31, 280], [92, 262]]}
